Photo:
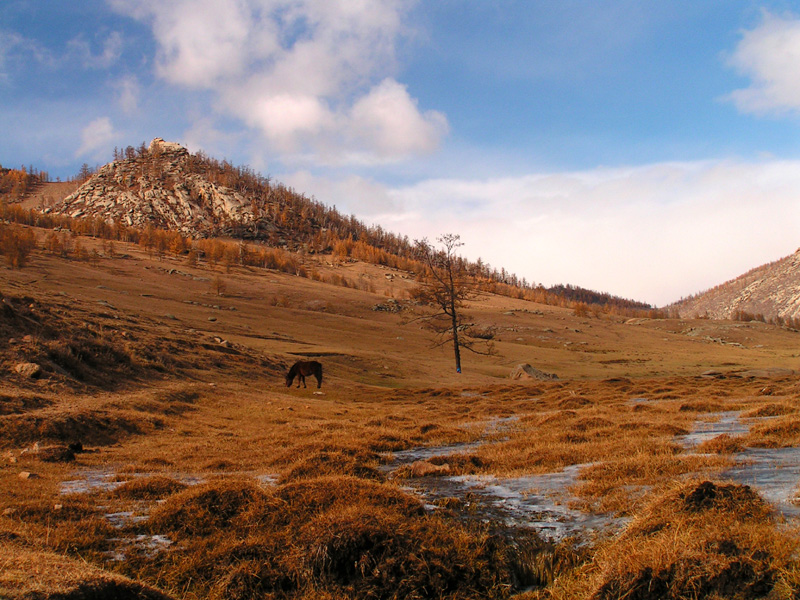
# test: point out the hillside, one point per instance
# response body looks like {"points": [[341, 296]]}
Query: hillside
{"points": [[357, 315], [158, 445], [164, 186], [770, 292]]}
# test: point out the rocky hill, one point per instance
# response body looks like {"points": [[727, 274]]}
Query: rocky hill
{"points": [[771, 292], [166, 186], [160, 187]]}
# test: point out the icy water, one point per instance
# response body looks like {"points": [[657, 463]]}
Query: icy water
{"points": [[723, 423], [540, 502], [107, 479], [773, 472]]}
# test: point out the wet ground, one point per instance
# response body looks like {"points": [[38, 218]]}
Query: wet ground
{"points": [[540, 502], [773, 472]]}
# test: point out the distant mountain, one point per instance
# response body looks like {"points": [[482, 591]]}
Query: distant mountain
{"points": [[770, 292]]}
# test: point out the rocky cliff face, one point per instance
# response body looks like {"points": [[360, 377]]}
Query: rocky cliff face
{"points": [[159, 188], [772, 290]]}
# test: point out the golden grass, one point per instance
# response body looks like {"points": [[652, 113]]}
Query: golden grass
{"points": [[27, 573], [342, 536], [156, 398], [694, 540]]}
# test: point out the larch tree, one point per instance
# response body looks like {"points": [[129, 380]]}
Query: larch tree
{"points": [[445, 287]]}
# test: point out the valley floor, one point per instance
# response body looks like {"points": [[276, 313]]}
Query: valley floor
{"points": [[159, 454]]}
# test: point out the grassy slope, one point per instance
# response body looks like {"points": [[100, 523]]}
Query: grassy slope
{"points": [[192, 406]]}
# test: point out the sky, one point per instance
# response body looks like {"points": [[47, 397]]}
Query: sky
{"points": [[642, 148]]}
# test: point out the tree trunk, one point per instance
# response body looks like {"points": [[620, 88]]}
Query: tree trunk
{"points": [[456, 347]]}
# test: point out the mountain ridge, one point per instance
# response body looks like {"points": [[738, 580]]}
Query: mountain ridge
{"points": [[768, 292]]}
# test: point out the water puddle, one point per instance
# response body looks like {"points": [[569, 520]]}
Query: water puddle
{"points": [[92, 480], [124, 518], [773, 472], [149, 545], [538, 502], [422, 453], [106, 480], [729, 423]]}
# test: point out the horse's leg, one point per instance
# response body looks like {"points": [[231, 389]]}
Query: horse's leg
{"points": [[303, 379], [319, 379]]}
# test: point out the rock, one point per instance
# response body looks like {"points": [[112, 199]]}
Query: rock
{"points": [[525, 371], [28, 370], [712, 374], [25, 475]]}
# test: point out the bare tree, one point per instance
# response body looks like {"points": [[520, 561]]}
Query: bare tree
{"points": [[445, 286]]}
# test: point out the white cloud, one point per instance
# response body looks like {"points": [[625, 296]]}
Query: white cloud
{"points": [[352, 194], [128, 91], [770, 55], [313, 76], [17, 51], [388, 119], [96, 138], [653, 233]]}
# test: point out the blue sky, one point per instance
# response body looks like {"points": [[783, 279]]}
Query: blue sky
{"points": [[648, 149]]}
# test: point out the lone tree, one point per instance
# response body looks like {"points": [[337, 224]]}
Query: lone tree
{"points": [[445, 286]]}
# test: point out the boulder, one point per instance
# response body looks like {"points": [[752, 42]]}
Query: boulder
{"points": [[28, 370], [525, 371]]}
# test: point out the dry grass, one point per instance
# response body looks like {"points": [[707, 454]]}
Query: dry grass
{"points": [[27, 573], [694, 540], [343, 536], [158, 393]]}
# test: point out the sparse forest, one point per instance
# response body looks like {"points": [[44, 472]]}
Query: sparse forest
{"points": [[290, 225]]}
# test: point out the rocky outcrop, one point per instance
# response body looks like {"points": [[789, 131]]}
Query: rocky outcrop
{"points": [[771, 291], [160, 188]]}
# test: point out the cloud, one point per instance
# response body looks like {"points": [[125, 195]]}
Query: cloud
{"points": [[112, 50], [313, 77], [653, 233], [128, 91], [352, 194], [770, 55], [17, 51], [387, 119], [96, 137]]}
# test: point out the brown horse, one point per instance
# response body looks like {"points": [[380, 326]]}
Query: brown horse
{"points": [[302, 368]]}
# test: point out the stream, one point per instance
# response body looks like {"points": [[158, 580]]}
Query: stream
{"points": [[773, 472], [539, 502]]}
